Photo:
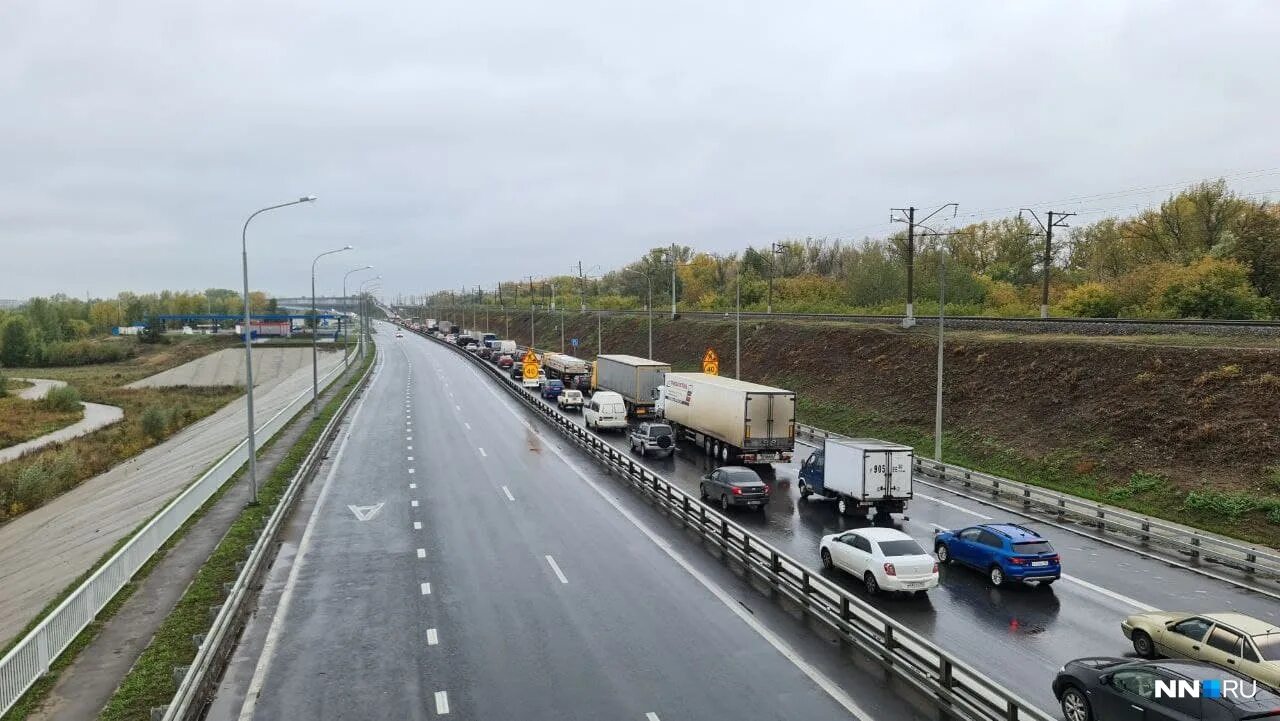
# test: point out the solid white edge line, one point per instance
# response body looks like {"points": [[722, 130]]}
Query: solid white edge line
{"points": [[832, 689], [442, 703], [250, 705], [432, 637], [508, 492], [425, 588], [556, 567], [651, 716]]}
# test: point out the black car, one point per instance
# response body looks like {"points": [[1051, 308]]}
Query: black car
{"points": [[734, 486], [517, 370], [1110, 689]]}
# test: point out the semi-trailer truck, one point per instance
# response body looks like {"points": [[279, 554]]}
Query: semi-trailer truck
{"points": [[563, 366], [635, 379], [861, 474], [731, 420]]}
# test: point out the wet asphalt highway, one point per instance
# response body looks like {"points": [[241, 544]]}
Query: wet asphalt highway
{"points": [[461, 562], [1019, 635]]}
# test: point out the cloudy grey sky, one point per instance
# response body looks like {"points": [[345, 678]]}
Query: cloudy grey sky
{"points": [[460, 143]]}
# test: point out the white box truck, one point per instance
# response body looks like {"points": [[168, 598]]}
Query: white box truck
{"points": [[861, 474], [731, 420], [635, 379]]}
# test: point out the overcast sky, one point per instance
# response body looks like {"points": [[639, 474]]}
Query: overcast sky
{"points": [[462, 143]]}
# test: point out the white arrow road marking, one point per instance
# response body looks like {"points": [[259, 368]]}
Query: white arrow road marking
{"points": [[508, 492], [364, 513]]}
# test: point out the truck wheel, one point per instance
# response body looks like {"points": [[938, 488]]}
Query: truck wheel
{"points": [[641, 448], [724, 453], [842, 506], [804, 491]]}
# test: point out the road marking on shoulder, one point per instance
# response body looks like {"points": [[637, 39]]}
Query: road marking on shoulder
{"points": [[272, 641], [508, 492], [417, 525], [555, 567], [422, 553], [948, 504], [425, 588], [1109, 593], [442, 702], [838, 694], [432, 637], [482, 453]]}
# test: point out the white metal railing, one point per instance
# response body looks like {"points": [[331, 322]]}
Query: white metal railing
{"points": [[1152, 532], [30, 658], [955, 687]]}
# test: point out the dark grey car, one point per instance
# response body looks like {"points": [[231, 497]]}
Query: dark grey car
{"points": [[734, 486]]}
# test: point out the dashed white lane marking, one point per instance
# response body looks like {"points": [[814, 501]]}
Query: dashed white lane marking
{"points": [[408, 438], [442, 702], [468, 425], [422, 553], [413, 486], [413, 504], [555, 567], [458, 407], [408, 448], [409, 458], [508, 492], [425, 588], [411, 470], [482, 453], [432, 637], [417, 525], [651, 716]]}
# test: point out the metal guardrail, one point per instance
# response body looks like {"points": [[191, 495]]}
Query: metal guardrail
{"points": [[198, 683], [956, 688], [30, 658], [1198, 545]]}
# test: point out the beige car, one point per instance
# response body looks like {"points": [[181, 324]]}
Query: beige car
{"points": [[1231, 640]]}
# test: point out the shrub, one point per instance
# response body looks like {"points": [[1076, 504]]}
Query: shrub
{"points": [[4, 386], [155, 422], [1210, 288], [1230, 504], [1092, 300], [35, 483], [1138, 484], [65, 399], [84, 352]]}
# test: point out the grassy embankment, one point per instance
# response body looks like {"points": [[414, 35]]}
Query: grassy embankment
{"points": [[21, 420], [150, 416], [1180, 428]]}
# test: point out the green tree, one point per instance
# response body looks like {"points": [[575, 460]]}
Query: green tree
{"points": [[1210, 288], [19, 345], [1092, 300]]}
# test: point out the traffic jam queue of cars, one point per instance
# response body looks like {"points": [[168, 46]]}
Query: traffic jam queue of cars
{"points": [[742, 425]]}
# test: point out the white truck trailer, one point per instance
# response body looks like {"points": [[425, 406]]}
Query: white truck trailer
{"points": [[635, 379], [563, 366], [861, 474], [731, 420]]}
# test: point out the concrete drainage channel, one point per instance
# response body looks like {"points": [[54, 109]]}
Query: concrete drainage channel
{"points": [[956, 689]]}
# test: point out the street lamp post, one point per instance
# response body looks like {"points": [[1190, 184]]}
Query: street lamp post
{"points": [[315, 330], [346, 313], [737, 343], [248, 341], [364, 312]]}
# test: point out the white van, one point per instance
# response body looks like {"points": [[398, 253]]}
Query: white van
{"points": [[606, 410]]}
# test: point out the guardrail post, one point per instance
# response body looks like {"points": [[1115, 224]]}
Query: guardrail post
{"points": [[775, 564], [1146, 530], [746, 550], [805, 588], [844, 608], [1026, 499], [1102, 519], [1252, 560], [1062, 507], [968, 479], [42, 651], [1195, 541], [995, 487], [886, 654]]}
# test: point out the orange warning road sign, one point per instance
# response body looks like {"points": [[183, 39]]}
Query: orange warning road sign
{"points": [[711, 363]]}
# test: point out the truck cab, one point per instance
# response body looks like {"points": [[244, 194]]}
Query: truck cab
{"points": [[861, 474]]}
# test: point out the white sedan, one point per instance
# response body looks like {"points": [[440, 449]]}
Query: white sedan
{"points": [[399, 334], [884, 558]]}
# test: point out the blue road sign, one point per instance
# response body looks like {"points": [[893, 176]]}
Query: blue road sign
{"points": [[573, 342]]}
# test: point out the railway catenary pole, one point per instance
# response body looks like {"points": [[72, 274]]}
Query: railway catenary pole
{"points": [[673, 282], [910, 220]]}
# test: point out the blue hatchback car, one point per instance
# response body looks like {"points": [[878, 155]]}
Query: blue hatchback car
{"points": [[1004, 551], [552, 388]]}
